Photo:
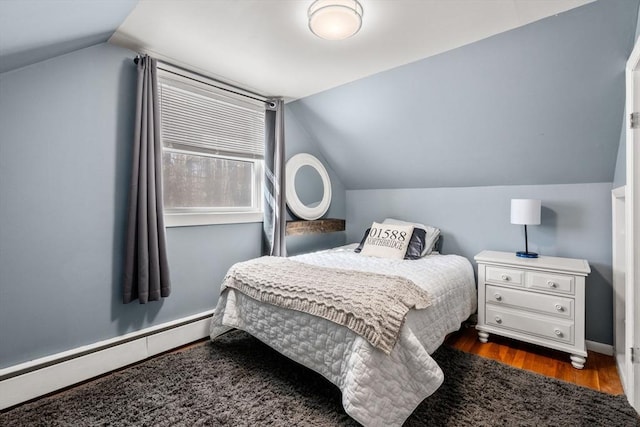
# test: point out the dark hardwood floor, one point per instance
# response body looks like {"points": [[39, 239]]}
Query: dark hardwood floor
{"points": [[600, 372]]}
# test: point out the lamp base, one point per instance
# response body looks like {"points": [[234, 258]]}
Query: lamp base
{"points": [[523, 254]]}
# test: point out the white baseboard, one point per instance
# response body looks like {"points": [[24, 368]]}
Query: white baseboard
{"points": [[35, 378], [598, 347]]}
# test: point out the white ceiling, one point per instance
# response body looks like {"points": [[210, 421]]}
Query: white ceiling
{"points": [[266, 46]]}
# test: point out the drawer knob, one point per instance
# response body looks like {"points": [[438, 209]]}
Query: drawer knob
{"points": [[552, 284], [558, 332], [559, 307], [505, 277], [498, 319], [498, 297]]}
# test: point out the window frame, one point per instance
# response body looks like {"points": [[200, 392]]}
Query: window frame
{"points": [[194, 216]]}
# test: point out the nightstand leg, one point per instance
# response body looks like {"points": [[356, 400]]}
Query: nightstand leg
{"points": [[483, 336], [578, 361]]}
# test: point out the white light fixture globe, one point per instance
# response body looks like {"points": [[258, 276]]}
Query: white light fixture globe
{"points": [[335, 19]]}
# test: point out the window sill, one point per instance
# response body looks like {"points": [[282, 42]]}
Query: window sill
{"points": [[192, 219]]}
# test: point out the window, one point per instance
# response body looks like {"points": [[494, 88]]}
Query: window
{"points": [[213, 151]]}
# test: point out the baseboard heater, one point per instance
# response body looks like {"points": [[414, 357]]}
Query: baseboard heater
{"points": [[29, 380]]}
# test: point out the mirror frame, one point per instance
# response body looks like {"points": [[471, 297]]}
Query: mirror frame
{"points": [[298, 208]]}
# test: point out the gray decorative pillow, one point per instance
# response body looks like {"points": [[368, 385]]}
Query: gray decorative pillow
{"points": [[431, 237]]}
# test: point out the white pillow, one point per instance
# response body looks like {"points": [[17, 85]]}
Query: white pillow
{"points": [[387, 241], [430, 238]]}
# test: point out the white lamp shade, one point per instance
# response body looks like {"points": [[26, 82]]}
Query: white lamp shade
{"points": [[525, 211], [335, 19]]}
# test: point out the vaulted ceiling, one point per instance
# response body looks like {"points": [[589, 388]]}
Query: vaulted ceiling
{"points": [[34, 30], [266, 45], [263, 45], [430, 93]]}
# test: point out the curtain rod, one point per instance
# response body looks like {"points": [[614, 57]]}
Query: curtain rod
{"points": [[220, 85]]}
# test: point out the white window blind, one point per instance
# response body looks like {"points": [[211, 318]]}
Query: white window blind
{"points": [[194, 114], [213, 151]]}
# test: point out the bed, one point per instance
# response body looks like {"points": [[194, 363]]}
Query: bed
{"points": [[378, 389]]}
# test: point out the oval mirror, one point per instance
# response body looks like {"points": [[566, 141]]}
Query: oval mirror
{"points": [[308, 189], [309, 186]]}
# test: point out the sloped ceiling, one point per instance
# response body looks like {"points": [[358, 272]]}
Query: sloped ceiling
{"points": [[540, 104], [265, 45], [35, 30]]}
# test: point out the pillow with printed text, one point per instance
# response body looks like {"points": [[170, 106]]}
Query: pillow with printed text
{"points": [[387, 241], [415, 248], [431, 233]]}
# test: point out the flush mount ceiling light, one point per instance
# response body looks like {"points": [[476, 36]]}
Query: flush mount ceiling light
{"points": [[335, 19]]}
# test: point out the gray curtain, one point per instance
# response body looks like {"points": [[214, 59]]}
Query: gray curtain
{"points": [[274, 192], [146, 271]]}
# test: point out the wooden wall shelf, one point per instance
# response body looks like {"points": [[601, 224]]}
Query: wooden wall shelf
{"points": [[300, 227]]}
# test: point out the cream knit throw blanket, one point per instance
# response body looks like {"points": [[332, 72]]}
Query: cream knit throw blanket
{"points": [[370, 304]]}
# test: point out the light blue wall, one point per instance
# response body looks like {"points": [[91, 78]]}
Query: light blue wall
{"points": [[66, 128], [540, 104], [620, 176], [534, 112], [576, 223], [298, 140], [535, 105]]}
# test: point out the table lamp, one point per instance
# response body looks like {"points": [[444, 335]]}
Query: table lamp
{"points": [[525, 212]]}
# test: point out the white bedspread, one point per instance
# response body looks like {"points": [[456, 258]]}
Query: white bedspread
{"points": [[377, 389]]}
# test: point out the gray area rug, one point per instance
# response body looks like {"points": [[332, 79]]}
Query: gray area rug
{"points": [[238, 381]]}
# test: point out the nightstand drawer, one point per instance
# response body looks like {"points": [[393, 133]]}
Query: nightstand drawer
{"points": [[550, 282], [542, 326], [504, 275], [533, 301]]}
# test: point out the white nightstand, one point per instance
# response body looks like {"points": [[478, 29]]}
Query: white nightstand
{"points": [[537, 300]]}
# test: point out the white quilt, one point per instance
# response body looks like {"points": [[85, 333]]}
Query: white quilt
{"points": [[377, 389]]}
